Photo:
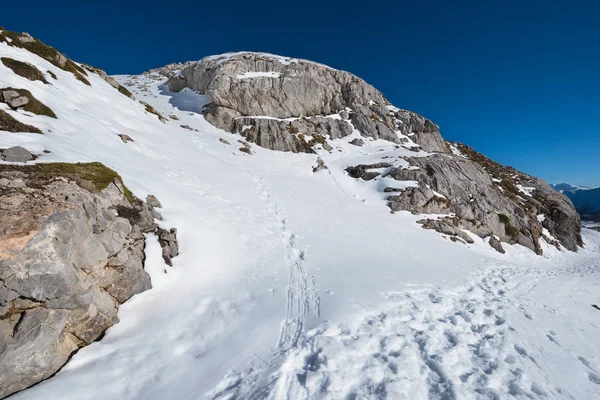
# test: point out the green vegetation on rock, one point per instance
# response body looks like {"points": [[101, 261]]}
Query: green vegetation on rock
{"points": [[509, 229], [91, 176]]}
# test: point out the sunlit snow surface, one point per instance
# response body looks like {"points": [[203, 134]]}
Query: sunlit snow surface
{"points": [[292, 284]]}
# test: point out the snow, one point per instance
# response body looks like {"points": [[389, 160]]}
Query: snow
{"points": [[258, 74], [456, 151], [293, 284], [527, 191]]}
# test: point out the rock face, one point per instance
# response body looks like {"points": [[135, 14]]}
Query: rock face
{"points": [[69, 256], [486, 199], [291, 105]]}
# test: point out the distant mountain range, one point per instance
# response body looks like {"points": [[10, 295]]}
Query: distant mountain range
{"points": [[585, 199]]}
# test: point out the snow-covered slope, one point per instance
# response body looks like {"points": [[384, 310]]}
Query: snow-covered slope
{"points": [[294, 284]]}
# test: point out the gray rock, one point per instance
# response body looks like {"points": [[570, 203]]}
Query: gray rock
{"points": [[168, 242], [421, 130], [14, 99], [362, 171], [153, 201], [484, 206], [17, 183], [65, 267], [17, 154], [327, 147], [299, 89], [320, 165], [357, 142], [60, 59], [223, 141], [496, 245]]}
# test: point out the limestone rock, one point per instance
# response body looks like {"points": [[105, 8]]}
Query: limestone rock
{"points": [[485, 199], [65, 267], [168, 242], [14, 99], [153, 201], [496, 245], [17, 154], [298, 97]]}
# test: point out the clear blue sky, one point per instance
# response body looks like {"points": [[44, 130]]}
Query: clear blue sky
{"points": [[517, 80]]}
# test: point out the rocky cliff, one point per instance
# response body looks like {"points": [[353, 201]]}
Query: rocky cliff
{"points": [[71, 251], [292, 105], [296, 105]]}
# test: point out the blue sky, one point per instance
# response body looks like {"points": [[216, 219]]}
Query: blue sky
{"points": [[517, 80]]}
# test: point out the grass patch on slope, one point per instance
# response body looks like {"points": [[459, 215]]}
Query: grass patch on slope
{"points": [[9, 124], [23, 69]]}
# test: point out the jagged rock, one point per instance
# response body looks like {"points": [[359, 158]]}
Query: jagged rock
{"points": [[484, 206], [357, 142], [125, 138], [320, 165], [445, 226], [362, 171], [153, 201], [65, 267], [246, 86], [60, 59], [14, 99], [17, 154], [168, 242], [422, 130], [496, 245], [288, 135]]}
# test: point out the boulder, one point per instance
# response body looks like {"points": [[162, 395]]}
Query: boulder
{"points": [[357, 142], [14, 99], [17, 154], [65, 267]]}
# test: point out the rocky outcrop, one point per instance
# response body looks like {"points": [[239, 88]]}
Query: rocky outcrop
{"points": [[16, 154], [486, 199], [71, 251], [272, 100]]}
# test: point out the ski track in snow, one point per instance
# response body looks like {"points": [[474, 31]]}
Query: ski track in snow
{"points": [[302, 296], [445, 344]]}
